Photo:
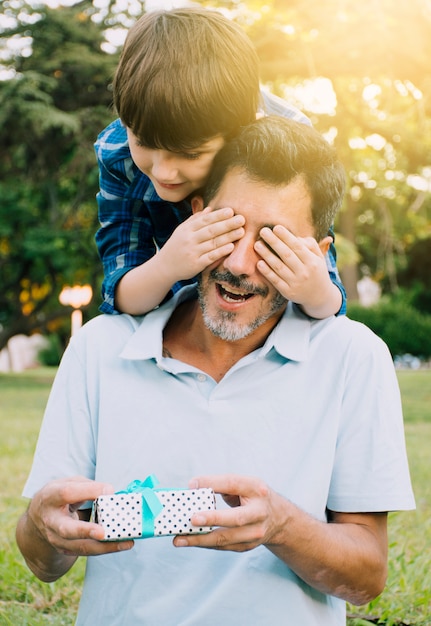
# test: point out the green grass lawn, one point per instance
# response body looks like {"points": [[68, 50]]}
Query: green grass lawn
{"points": [[26, 602]]}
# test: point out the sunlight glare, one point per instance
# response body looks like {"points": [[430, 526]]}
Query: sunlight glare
{"points": [[419, 182], [370, 94], [357, 143], [316, 95], [376, 141]]}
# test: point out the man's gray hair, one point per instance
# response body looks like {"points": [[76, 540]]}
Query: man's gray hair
{"points": [[276, 150]]}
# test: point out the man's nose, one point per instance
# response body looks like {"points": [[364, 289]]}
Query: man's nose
{"points": [[243, 258]]}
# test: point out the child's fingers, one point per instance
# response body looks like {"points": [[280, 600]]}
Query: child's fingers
{"points": [[216, 254], [289, 247], [278, 258], [229, 237], [219, 234], [285, 259], [215, 222], [279, 276], [210, 215]]}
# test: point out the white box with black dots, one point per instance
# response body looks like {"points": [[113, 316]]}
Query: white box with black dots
{"points": [[130, 516]]}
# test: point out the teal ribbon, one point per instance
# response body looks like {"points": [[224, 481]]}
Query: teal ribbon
{"points": [[151, 505]]}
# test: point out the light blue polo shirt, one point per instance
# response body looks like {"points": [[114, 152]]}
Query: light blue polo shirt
{"points": [[315, 413]]}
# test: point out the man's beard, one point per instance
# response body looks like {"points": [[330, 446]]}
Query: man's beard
{"points": [[224, 324]]}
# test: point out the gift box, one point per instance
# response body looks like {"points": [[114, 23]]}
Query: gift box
{"points": [[142, 510]]}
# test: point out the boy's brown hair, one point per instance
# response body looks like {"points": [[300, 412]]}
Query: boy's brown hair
{"points": [[184, 77]]}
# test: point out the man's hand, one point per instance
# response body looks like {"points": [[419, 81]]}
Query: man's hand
{"points": [[345, 556], [52, 533], [296, 267], [203, 239], [249, 522]]}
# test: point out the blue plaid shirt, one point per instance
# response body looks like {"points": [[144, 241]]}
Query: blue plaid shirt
{"points": [[135, 221]]}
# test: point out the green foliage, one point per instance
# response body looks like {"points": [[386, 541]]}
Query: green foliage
{"points": [[50, 114], [402, 328], [407, 597], [60, 95], [415, 395], [416, 276], [23, 599], [51, 355]]}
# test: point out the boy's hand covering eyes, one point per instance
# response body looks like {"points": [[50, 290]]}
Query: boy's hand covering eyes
{"points": [[203, 239], [295, 266]]}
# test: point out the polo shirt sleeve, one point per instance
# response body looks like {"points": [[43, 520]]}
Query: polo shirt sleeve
{"points": [[371, 471], [67, 441]]}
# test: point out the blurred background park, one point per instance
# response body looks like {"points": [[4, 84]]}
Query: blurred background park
{"points": [[360, 69]]}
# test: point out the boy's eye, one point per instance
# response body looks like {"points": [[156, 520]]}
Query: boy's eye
{"points": [[191, 155], [184, 155]]}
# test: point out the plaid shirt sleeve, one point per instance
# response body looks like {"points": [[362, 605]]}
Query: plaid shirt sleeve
{"points": [[124, 238], [331, 263], [273, 105], [134, 221]]}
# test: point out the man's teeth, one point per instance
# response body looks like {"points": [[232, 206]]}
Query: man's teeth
{"points": [[232, 296]]}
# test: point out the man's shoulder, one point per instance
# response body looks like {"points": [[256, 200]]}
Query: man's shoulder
{"points": [[348, 335], [108, 330]]}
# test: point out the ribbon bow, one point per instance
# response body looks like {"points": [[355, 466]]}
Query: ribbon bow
{"points": [[151, 505]]}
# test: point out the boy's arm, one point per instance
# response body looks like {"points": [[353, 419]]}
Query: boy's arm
{"points": [[122, 246], [298, 269], [137, 277], [331, 262], [125, 237]]}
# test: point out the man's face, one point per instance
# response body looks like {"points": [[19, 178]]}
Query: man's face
{"points": [[235, 298]]}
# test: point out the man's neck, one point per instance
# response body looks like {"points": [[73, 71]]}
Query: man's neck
{"points": [[187, 339]]}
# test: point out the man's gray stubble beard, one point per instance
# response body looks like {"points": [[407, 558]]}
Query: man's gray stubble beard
{"points": [[225, 327]]}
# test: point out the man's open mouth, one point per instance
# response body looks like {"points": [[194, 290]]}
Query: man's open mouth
{"points": [[231, 295]]}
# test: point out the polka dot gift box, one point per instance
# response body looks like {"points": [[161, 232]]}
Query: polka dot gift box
{"points": [[141, 510]]}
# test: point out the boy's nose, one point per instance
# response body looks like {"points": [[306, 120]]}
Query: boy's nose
{"points": [[164, 167]]}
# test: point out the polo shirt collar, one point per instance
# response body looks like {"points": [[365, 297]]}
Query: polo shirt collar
{"points": [[147, 340], [290, 338]]}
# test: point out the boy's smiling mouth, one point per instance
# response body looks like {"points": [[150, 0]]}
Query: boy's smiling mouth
{"points": [[169, 185]]}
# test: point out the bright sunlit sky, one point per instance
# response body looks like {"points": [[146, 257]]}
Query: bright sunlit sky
{"points": [[316, 96]]}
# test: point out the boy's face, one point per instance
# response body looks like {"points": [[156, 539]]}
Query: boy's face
{"points": [[175, 175]]}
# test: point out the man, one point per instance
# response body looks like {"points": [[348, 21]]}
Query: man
{"points": [[295, 421]]}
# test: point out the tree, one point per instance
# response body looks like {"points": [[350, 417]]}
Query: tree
{"points": [[51, 111], [381, 123], [57, 99]]}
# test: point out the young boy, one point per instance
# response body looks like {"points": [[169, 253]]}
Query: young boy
{"points": [[186, 82]]}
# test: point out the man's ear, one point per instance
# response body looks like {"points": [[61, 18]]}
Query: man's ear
{"points": [[197, 204], [324, 244]]}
